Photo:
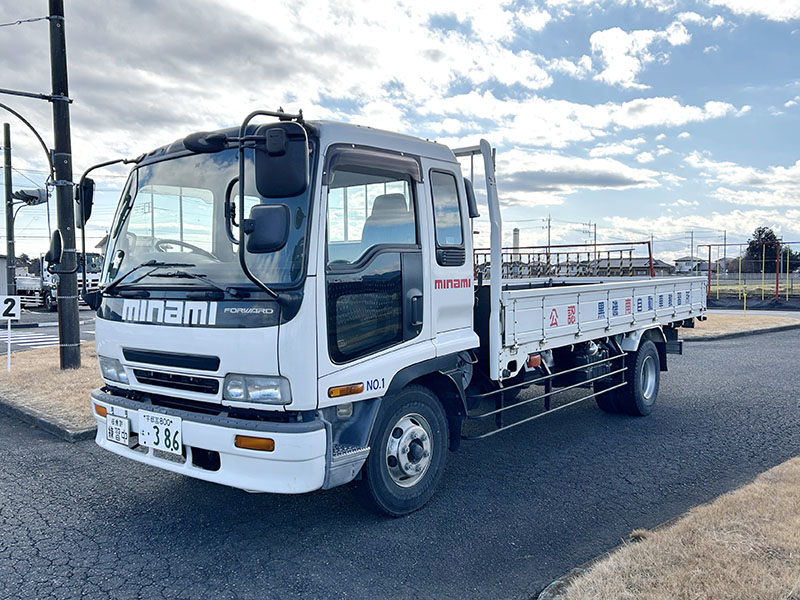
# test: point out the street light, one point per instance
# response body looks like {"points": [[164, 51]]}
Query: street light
{"points": [[23, 198], [31, 197]]}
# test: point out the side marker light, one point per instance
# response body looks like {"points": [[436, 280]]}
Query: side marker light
{"points": [[255, 443], [345, 390]]}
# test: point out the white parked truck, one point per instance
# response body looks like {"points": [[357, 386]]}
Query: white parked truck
{"points": [[42, 289], [294, 305]]}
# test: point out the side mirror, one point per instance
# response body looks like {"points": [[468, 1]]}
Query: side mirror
{"points": [[281, 160], [472, 203], [53, 256], [92, 299], [84, 196], [267, 228]]}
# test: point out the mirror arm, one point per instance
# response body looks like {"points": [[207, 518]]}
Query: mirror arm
{"points": [[242, 261], [230, 210]]}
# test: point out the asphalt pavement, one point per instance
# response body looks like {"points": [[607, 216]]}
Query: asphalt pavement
{"points": [[512, 512]]}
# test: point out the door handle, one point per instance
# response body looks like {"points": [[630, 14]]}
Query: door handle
{"points": [[416, 309]]}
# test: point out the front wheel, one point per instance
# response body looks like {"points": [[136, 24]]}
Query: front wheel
{"points": [[408, 447], [50, 302]]}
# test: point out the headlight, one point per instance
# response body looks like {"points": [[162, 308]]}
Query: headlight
{"points": [[257, 388], [112, 369]]}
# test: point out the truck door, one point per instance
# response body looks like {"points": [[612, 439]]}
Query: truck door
{"points": [[452, 296], [376, 296]]}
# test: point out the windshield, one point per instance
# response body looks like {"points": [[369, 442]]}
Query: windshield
{"points": [[174, 211]]}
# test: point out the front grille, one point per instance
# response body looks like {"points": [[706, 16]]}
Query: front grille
{"points": [[172, 359], [176, 381]]}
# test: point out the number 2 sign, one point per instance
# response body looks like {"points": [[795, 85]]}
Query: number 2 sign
{"points": [[10, 309]]}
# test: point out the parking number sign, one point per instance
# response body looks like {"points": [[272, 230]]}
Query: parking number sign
{"points": [[10, 307]]}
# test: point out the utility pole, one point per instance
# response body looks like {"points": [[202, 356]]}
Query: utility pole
{"points": [[68, 324], [11, 285], [724, 250], [691, 252], [548, 233]]}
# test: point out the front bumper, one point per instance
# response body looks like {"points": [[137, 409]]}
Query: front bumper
{"points": [[297, 465]]}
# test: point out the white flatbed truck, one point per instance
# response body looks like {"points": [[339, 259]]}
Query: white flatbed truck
{"points": [[326, 324]]}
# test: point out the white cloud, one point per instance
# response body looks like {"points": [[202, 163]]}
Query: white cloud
{"points": [[546, 177], [538, 121], [645, 157], [660, 136], [680, 202], [578, 70], [684, 134], [613, 149], [696, 19], [737, 184], [710, 49], [534, 19], [773, 10], [662, 150], [625, 54]]}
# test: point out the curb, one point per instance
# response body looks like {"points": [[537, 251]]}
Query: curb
{"points": [[739, 334], [47, 324], [43, 423], [555, 589]]}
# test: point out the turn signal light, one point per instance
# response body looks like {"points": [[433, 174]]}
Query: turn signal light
{"points": [[534, 360], [345, 390], [100, 410], [255, 443]]}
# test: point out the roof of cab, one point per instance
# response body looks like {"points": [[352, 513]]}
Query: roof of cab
{"points": [[333, 132]]}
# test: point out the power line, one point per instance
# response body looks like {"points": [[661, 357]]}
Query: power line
{"points": [[26, 177], [21, 21]]}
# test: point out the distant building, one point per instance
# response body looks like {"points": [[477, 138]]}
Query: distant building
{"points": [[726, 265], [688, 263]]}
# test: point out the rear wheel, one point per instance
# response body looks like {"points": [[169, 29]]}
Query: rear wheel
{"points": [[408, 447], [643, 377], [607, 401]]}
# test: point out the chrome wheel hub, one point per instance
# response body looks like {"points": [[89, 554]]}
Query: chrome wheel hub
{"points": [[648, 378], [409, 449]]}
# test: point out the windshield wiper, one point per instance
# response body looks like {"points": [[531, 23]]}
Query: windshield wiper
{"points": [[235, 292], [150, 263]]}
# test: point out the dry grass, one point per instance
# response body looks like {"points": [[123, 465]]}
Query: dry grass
{"points": [[723, 324], [744, 545], [36, 383]]}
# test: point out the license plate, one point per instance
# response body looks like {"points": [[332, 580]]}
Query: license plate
{"points": [[159, 431], [118, 430]]}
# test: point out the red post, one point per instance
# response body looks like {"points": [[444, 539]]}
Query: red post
{"points": [[708, 290], [650, 255]]}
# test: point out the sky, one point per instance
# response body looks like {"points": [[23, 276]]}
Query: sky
{"points": [[670, 120]]}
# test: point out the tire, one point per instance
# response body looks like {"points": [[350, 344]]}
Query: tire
{"points": [[50, 302], [608, 401], [643, 377], [394, 482]]}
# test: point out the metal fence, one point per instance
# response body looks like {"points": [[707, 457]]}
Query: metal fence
{"points": [[582, 260]]}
